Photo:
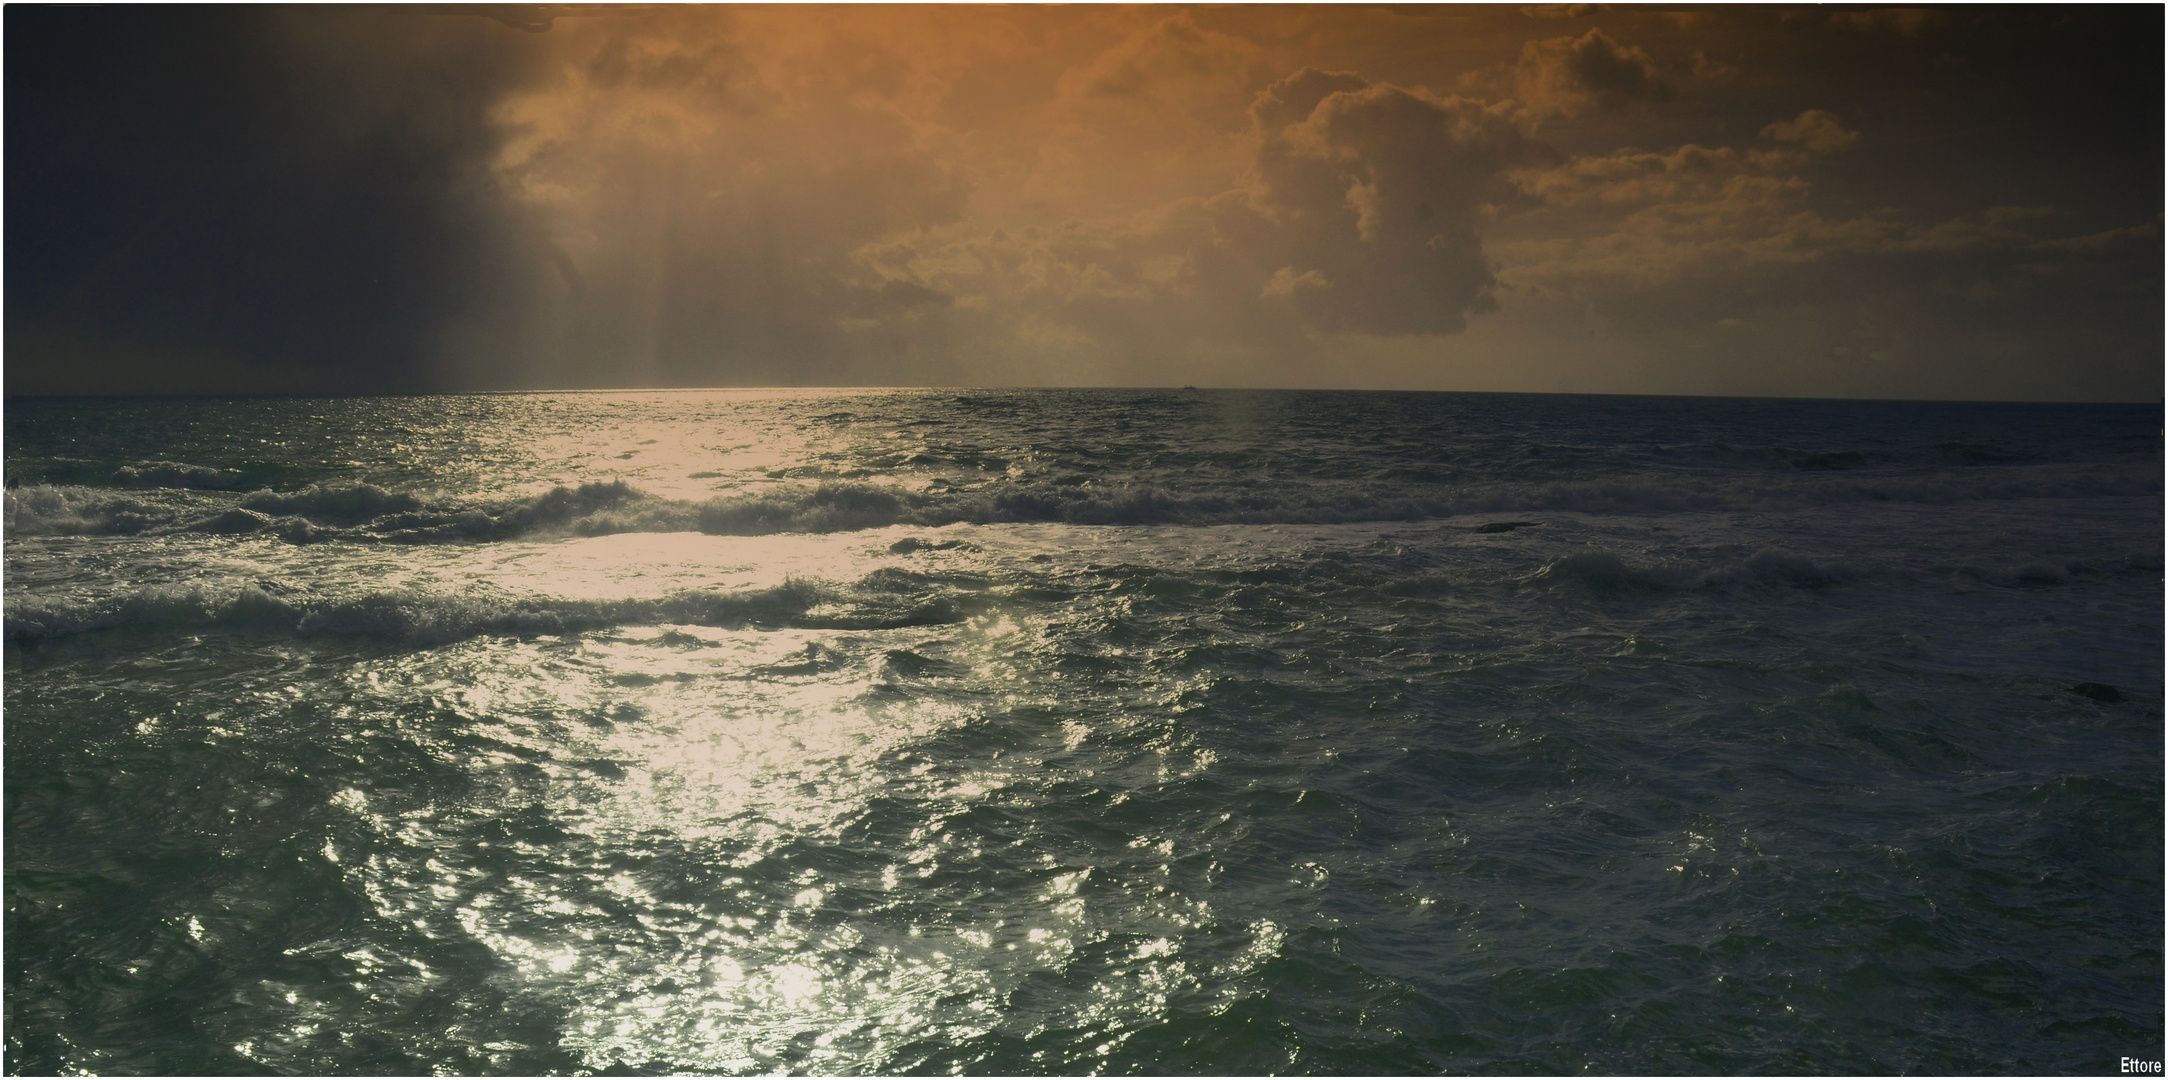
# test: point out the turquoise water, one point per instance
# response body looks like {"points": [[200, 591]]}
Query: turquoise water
{"points": [[1066, 732]]}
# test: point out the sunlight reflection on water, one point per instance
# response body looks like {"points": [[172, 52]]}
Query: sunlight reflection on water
{"points": [[760, 756], [1182, 747]]}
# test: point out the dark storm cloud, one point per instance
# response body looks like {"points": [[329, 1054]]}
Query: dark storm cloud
{"points": [[265, 198]]}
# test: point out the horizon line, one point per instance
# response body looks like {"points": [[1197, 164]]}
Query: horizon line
{"points": [[11, 398]]}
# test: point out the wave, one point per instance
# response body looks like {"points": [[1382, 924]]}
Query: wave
{"points": [[77, 511], [1605, 574], [147, 475], [357, 502], [882, 600], [170, 474], [367, 512]]}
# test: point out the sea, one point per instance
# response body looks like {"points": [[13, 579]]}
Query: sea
{"points": [[1081, 732]]}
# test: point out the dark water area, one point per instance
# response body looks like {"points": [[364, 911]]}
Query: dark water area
{"points": [[1032, 732]]}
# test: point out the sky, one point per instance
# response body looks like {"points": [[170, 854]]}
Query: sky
{"points": [[1772, 201]]}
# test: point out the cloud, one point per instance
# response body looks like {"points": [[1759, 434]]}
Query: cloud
{"points": [[906, 295], [1285, 281], [299, 191], [1903, 22], [1155, 113], [1814, 129], [1684, 233], [1168, 61], [1381, 190], [1692, 174], [1561, 11], [1713, 70], [1291, 100], [1362, 214], [1745, 286], [1695, 216], [1696, 243], [1688, 173], [1570, 75], [731, 218], [405, 199], [708, 201]]}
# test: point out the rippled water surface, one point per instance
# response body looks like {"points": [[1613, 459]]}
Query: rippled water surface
{"points": [[1065, 732]]}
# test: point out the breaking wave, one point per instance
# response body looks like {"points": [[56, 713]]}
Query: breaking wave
{"points": [[1605, 574], [886, 599]]}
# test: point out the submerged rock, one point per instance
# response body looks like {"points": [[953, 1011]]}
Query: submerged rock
{"points": [[1504, 526], [2097, 691]]}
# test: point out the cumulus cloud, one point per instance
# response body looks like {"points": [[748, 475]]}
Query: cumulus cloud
{"points": [[1362, 214], [1292, 99], [1570, 75], [1381, 190]]}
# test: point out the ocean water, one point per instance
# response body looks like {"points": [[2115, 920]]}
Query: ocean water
{"points": [[1081, 732]]}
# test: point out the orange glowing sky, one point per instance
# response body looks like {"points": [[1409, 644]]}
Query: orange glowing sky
{"points": [[1812, 201]]}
